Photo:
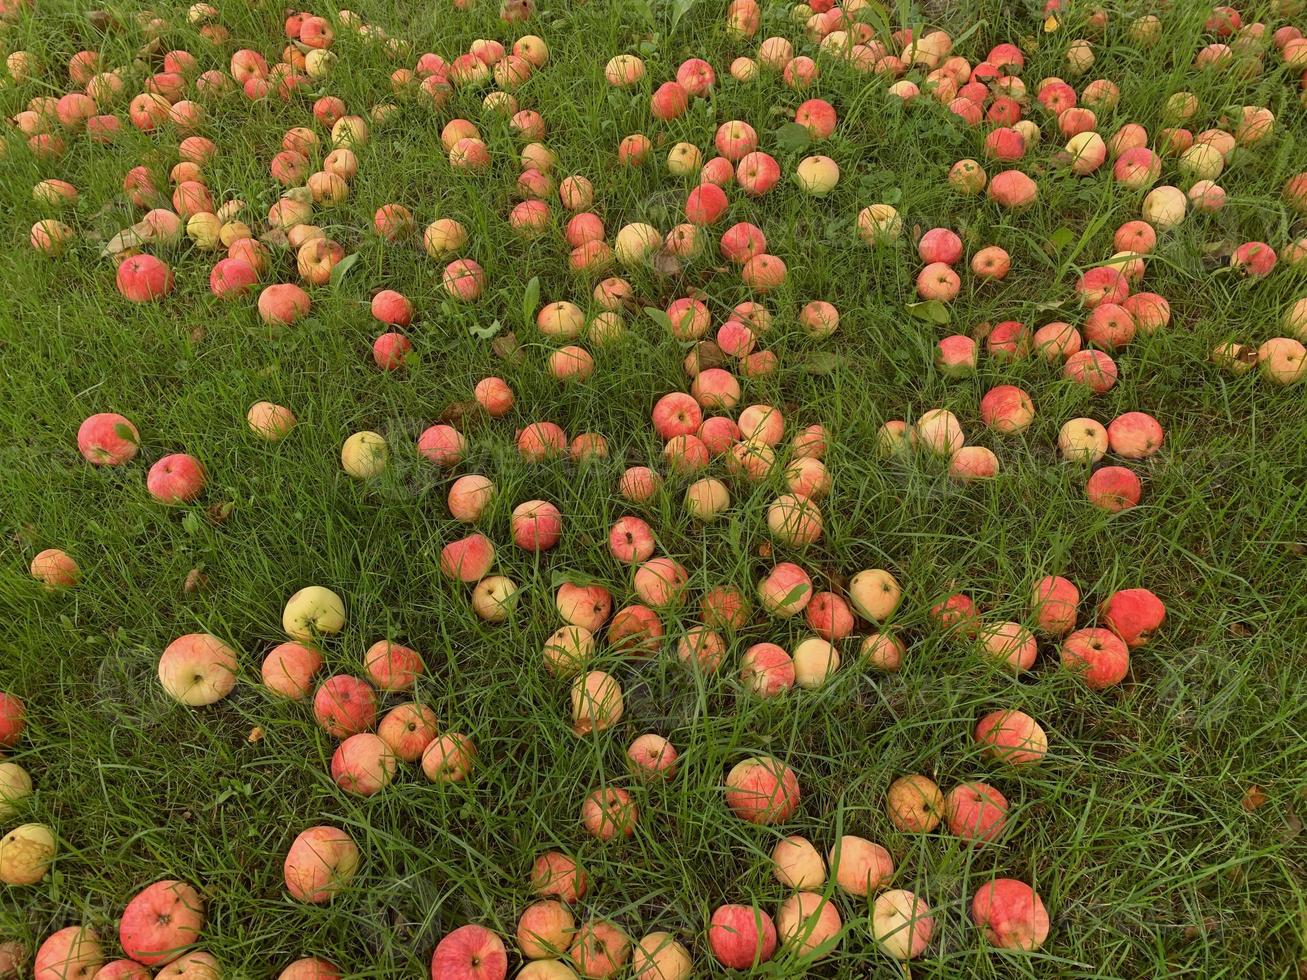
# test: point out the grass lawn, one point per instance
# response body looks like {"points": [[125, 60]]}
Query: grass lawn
{"points": [[1162, 831]]}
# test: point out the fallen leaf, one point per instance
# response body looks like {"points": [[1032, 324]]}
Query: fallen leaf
{"points": [[1254, 797]]}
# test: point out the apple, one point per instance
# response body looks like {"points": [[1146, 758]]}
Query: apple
{"points": [[1135, 435], [15, 786], [1082, 440], [283, 304], [537, 525], [54, 569], [309, 968], [1007, 409], [545, 930], [1134, 615], [108, 439], [408, 729], [973, 463], [71, 953], [652, 757], [1109, 326], [975, 811], [1009, 340], [313, 611], [659, 956], [762, 790], [1011, 914], [1053, 602], [879, 224], [449, 758], [363, 764], [13, 719], [786, 590], [470, 952], [344, 705], [364, 455], [940, 245], [939, 431], [1005, 143], [442, 444], [600, 950], [815, 175], [557, 875], [766, 670], [808, 925], [609, 812], [1164, 207], [26, 853], [321, 863], [830, 616], [875, 594], [967, 177], [1011, 736], [1282, 361], [883, 652], [991, 262], [596, 702], [901, 924], [175, 478], [494, 598], [741, 936], [635, 628], [1013, 190], [859, 866], [797, 864], [160, 921], [1098, 656], [938, 281], [1057, 341], [122, 970], [915, 804], [1008, 643], [391, 666], [143, 278], [198, 669], [1092, 368], [270, 421], [1137, 237], [1113, 488]]}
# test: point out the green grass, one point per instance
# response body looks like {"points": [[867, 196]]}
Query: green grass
{"points": [[1133, 830]]}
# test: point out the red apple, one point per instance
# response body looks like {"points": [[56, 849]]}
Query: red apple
{"points": [[741, 936], [470, 952], [1134, 615]]}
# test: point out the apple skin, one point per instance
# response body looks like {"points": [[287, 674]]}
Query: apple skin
{"points": [[160, 921], [600, 950], [321, 861], [808, 925], [537, 525], [597, 702], [1053, 602], [175, 479], [787, 590], [26, 852], [344, 705], [915, 804], [875, 594], [143, 278], [587, 606], [1011, 736], [449, 758], [1010, 644], [198, 669], [108, 439], [555, 874], [1113, 488], [120, 970], [767, 670], [608, 813], [391, 666], [363, 764], [54, 569], [659, 956], [1098, 656], [829, 616], [310, 968], [1011, 914], [1134, 615], [939, 431], [797, 864], [859, 866], [901, 923], [269, 421], [71, 953], [762, 790], [408, 729], [469, 559], [741, 936], [975, 811], [1007, 409], [469, 496], [1083, 440], [652, 757], [545, 930], [312, 611], [470, 952]]}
